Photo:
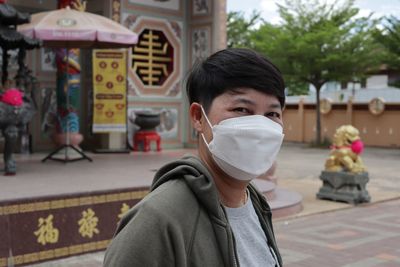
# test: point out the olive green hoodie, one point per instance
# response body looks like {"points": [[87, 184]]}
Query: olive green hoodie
{"points": [[181, 222]]}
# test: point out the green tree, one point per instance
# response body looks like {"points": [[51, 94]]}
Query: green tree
{"points": [[317, 43], [295, 87], [239, 29], [389, 37]]}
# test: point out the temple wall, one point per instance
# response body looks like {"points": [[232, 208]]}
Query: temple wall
{"points": [[381, 130]]}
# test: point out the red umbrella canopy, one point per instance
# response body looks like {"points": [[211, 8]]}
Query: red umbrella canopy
{"points": [[68, 28]]}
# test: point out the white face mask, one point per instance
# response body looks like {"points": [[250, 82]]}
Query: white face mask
{"points": [[245, 147]]}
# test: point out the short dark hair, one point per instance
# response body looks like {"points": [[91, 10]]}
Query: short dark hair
{"points": [[230, 69]]}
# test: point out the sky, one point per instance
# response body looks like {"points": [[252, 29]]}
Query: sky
{"points": [[269, 11]]}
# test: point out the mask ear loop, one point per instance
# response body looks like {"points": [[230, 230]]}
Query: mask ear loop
{"points": [[209, 123], [205, 116]]}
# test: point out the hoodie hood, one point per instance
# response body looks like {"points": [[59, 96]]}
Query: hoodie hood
{"points": [[196, 177]]}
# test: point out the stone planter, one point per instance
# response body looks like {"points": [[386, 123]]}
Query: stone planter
{"points": [[12, 121], [147, 121]]}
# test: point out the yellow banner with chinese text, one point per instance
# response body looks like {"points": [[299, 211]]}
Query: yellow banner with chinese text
{"points": [[109, 91]]}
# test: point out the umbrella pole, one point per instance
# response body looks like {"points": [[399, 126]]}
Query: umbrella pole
{"points": [[67, 144], [67, 102]]}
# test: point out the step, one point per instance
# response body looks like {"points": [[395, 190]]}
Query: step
{"points": [[266, 187], [283, 202], [286, 202]]}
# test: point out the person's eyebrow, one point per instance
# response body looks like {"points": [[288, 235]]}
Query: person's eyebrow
{"points": [[242, 100], [275, 105]]}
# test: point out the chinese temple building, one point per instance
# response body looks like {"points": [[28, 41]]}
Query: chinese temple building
{"points": [[173, 34]]}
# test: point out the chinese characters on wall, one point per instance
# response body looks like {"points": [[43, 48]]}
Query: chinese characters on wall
{"points": [[87, 226], [153, 57]]}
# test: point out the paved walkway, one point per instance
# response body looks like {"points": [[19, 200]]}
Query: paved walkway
{"points": [[364, 236], [325, 233]]}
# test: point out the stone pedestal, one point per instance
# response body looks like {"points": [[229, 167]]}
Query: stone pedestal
{"points": [[344, 186]]}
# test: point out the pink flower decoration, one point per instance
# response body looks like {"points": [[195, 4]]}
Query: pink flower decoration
{"points": [[357, 146], [12, 97]]}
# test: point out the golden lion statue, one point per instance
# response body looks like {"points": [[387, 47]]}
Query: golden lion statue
{"points": [[346, 148]]}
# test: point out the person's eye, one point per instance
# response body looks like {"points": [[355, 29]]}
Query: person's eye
{"points": [[273, 115], [242, 110]]}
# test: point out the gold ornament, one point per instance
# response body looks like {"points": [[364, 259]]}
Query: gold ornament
{"points": [[325, 106], [342, 157], [376, 106]]}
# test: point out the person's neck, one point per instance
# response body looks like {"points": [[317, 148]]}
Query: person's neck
{"points": [[232, 192]]}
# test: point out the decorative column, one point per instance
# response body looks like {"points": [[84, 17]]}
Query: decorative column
{"points": [[68, 88]]}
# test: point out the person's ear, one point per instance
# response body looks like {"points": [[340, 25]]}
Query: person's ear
{"points": [[196, 115]]}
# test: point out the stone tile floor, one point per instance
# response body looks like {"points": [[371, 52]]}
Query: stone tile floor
{"points": [[364, 236], [325, 233], [367, 235]]}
